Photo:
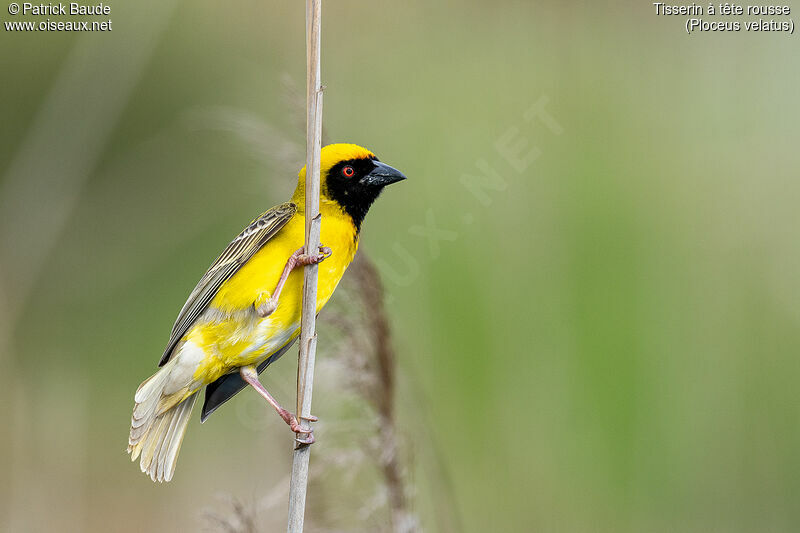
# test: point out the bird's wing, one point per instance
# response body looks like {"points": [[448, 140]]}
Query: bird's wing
{"points": [[223, 389], [238, 252]]}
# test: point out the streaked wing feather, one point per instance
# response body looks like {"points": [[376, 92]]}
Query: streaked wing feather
{"points": [[237, 253]]}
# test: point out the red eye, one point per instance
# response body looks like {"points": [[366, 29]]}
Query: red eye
{"points": [[348, 172]]}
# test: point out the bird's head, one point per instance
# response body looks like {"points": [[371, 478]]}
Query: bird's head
{"points": [[350, 177]]}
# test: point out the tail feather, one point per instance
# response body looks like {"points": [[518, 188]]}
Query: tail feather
{"points": [[171, 444], [147, 398], [156, 434]]}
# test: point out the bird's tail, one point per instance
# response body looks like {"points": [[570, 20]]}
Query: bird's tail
{"points": [[158, 426]]}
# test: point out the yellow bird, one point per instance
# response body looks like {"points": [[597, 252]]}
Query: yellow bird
{"points": [[244, 312]]}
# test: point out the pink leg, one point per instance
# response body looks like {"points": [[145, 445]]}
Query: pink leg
{"points": [[295, 260], [250, 375]]}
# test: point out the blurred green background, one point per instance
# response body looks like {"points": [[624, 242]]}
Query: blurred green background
{"points": [[591, 271]]}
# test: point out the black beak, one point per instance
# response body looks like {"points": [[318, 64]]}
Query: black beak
{"points": [[382, 175]]}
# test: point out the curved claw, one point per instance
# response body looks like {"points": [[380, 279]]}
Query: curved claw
{"points": [[308, 440], [294, 423]]}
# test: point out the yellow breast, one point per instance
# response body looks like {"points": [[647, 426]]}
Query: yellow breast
{"points": [[232, 334]]}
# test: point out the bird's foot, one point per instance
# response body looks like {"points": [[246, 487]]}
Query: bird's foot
{"points": [[295, 426], [267, 303], [324, 253]]}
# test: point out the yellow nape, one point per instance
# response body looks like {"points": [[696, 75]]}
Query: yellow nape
{"points": [[330, 156]]}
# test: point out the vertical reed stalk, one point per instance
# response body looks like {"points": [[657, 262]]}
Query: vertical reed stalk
{"points": [[308, 333]]}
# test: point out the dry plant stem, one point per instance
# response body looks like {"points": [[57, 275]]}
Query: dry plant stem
{"points": [[308, 334], [372, 295]]}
